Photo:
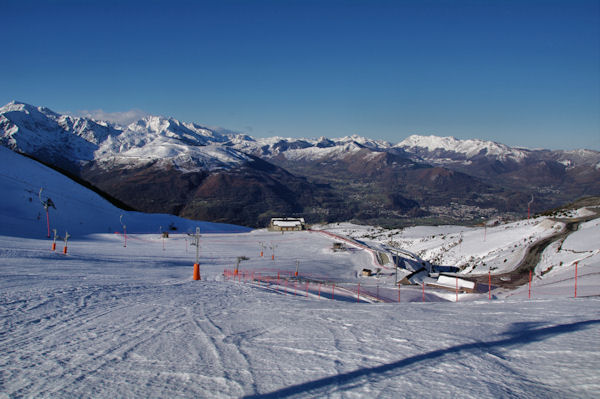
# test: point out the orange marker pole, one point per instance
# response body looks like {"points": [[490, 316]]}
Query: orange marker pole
{"points": [[54, 246], [66, 240], [197, 271]]}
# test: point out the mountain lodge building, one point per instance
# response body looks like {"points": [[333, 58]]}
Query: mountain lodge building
{"points": [[287, 224]]}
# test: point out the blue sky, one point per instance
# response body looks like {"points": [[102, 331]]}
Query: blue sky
{"points": [[524, 73]]}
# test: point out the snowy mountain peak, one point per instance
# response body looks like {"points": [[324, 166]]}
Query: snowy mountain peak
{"points": [[366, 142], [15, 108], [468, 148], [42, 132]]}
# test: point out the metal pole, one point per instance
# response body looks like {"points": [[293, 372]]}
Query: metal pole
{"points": [[66, 239], [489, 285], [47, 220], [54, 241], [456, 289], [576, 279], [124, 230], [45, 205], [198, 245]]}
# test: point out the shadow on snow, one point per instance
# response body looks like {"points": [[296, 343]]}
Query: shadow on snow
{"points": [[521, 334]]}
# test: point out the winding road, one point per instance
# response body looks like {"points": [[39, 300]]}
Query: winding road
{"points": [[520, 274]]}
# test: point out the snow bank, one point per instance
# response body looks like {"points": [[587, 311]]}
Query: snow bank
{"points": [[110, 321], [77, 210]]}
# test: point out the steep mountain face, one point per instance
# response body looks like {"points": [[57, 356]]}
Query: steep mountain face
{"points": [[160, 164]]}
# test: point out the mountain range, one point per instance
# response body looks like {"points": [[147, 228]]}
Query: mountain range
{"points": [[162, 165]]}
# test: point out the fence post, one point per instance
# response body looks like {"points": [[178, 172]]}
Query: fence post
{"points": [[530, 284], [358, 293], [332, 291], [319, 290], [423, 291], [398, 293]]}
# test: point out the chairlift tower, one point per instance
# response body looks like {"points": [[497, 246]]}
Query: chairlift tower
{"points": [[46, 204]]}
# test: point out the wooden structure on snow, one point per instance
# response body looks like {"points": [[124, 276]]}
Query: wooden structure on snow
{"points": [[287, 224]]}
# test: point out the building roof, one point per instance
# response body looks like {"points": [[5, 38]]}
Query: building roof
{"points": [[286, 223]]}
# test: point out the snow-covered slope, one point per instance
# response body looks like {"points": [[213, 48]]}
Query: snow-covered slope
{"points": [[76, 210], [117, 322]]}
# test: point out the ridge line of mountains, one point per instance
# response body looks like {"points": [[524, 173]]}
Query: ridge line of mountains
{"points": [[162, 165]]}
